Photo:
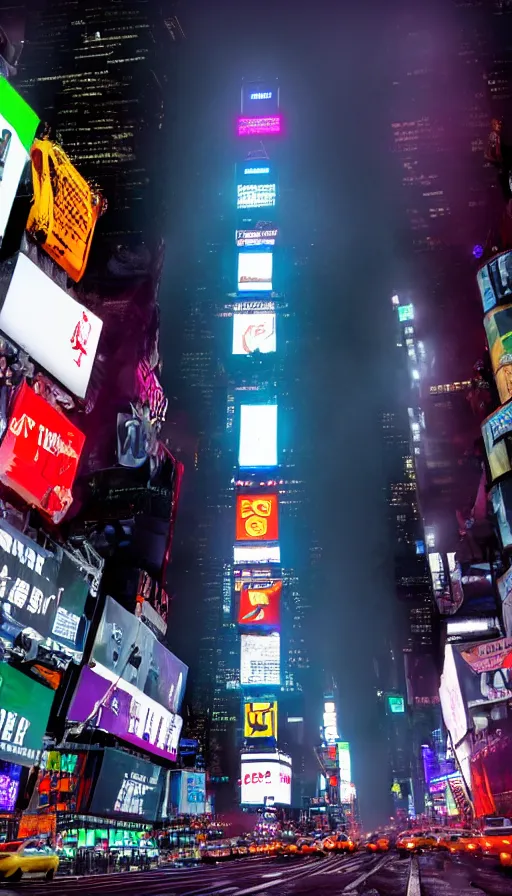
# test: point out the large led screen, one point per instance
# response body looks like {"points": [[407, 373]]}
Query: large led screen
{"points": [[496, 431], [501, 496], [260, 98], [260, 720], [266, 237], [256, 195], [504, 584], [498, 327], [187, 793], [57, 331], [344, 762], [40, 453], [271, 124], [260, 604], [24, 710], [18, 125], [260, 659], [128, 786], [495, 281], [266, 778], [111, 704], [10, 774], [257, 517], [484, 671], [255, 271], [254, 333], [452, 702], [40, 591], [258, 436], [129, 650], [256, 553]]}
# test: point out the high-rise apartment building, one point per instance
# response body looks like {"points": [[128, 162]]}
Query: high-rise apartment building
{"points": [[100, 74]]}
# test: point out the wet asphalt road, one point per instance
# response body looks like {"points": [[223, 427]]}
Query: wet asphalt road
{"points": [[357, 875]]}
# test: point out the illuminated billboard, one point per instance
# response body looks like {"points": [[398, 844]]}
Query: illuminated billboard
{"points": [[127, 786], [257, 553], [496, 431], [258, 436], [260, 659], [498, 327], [452, 702], [330, 723], [187, 793], [40, 453], [344, 763], [260, 720], [129, 650], [18, 125], [266, 779], [495, 281], [270, 124], [255, 271], [110, 703], [260, 98], [64, 210], [501, 497], [256, 195], [395, 704], [41, 591], [58, 332], [254, 333], [260, 604], [256, 237], [24, 710], [257, 517]]}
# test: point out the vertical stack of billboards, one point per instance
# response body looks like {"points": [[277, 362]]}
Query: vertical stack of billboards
{"points": [[48, 345], [265, 770], [108, 533]]}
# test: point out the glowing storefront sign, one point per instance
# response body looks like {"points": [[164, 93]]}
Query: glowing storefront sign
{"points": [[260, 720], [18, 125], [39, 454], [58, 332]]}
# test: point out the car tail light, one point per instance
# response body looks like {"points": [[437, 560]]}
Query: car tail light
{"points": [[471, 846]]}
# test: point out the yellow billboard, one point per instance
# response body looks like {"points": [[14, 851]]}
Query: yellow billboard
{"points": [[260, 720], [64, 210]]}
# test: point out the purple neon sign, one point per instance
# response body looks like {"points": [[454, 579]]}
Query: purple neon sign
{"points": [[270, 124]]}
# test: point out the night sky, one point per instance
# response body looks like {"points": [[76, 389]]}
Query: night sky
{"points": [[335, 96]]}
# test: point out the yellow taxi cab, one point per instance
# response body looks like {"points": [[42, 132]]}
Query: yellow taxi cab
{"points": [[497, 843], [33, 856], [461, 842], [409, 842], [343, 843], [377, 843]]}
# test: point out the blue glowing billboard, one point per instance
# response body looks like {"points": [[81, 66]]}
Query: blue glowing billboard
{"points": [[256, 195]]}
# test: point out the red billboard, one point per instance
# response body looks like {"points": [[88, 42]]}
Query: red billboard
{"points": [[256, 518], [39, 454], [260, 604]]}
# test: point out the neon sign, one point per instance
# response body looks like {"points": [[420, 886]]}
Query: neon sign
{"points": [[262, 96], [270, 124], [256, 170]]}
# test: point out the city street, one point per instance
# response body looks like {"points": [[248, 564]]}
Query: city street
{"points": [[359, 875]]}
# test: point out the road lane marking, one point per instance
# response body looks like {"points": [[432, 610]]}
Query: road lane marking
{"points": [[351, 888], [413, 884]]}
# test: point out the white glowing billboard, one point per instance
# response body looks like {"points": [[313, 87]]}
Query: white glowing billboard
{"points": [[256, 195], [452, 702], [255, 271], [344, 762], [266, 779], [260, 659], [58, 332], [256, 553], [254, 333], [258, 237], [258, 435], [330, 723], [18, 125]]}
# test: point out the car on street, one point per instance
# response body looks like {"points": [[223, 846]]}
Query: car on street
{"points": [[22, 857], [377, 843], [409, 842]]}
